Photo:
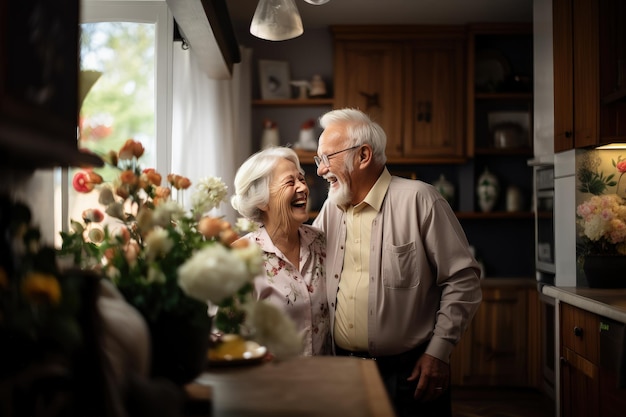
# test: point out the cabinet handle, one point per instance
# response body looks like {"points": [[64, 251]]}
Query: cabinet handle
{"points": [[563, 360], [420, 114], [428, 111], [568, 134], [371, 99], [578, 332]]}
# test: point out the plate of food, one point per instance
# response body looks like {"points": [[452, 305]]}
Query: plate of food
{"points": [[234, 350]]}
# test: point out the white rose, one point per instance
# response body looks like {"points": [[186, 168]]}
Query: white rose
{"points": [[213, 274]]}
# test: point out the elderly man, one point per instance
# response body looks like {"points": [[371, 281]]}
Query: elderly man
{"points": [[402, 283]]}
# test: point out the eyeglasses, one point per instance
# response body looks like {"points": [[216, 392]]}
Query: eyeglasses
{"points": [[326, 158]]}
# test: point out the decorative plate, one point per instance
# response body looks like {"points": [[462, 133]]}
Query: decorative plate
{"points": [[492, 69]]}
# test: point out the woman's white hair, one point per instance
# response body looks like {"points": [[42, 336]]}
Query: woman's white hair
{"points": [[252, 181], [360, 130]]}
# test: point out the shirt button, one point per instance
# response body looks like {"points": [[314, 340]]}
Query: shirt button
{"points": [[350, 326]]}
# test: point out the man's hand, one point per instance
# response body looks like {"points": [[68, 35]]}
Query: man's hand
{"points": [[432, 375]]}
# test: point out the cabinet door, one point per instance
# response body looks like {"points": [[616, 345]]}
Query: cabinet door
{"points": [[498, 351], [563, 76], [434, 102], [579, 362], [369, 76], [576, 74], [579, 386], [589, 66]]}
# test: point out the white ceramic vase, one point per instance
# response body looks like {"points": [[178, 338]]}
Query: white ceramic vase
{"points": [[445, 188], [487, 190]]}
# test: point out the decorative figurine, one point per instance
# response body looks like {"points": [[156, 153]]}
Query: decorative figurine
{"points": [[317, 86], [303, 86], [270, 136], [307, 140]]}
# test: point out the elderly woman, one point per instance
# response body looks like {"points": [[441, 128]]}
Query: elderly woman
{"points": [[270, 190]]}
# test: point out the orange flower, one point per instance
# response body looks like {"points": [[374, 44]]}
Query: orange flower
{"points": [[94, 178], [42, 288], [131, 149], [210, 227], [128, 177], [178, 181], [152, 176], [122, 191], [228, 237]]}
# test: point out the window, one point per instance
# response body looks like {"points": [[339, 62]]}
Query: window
{"points": [[126, 48]]}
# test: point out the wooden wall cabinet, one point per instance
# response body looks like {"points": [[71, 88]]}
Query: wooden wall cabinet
{"points": [[501, 347], [369, 76], [39, 85], [580, 386], [589, 73], [410, 80]]}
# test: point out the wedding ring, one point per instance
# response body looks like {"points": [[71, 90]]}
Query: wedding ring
{"points": [[439, 388]]}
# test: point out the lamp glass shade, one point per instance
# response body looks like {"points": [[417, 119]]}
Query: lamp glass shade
{"points": [[316, 2], [276, 20]]}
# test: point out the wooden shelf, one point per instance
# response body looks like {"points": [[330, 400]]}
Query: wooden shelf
{"points": [[503, 96], [293, 102], [521, 151]]}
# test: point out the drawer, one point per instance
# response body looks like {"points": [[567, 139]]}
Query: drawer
{"points": [[580, 332]]}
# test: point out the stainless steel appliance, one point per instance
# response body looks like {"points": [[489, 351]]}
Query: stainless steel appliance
{"points": [[545, 269], [544, 224]]}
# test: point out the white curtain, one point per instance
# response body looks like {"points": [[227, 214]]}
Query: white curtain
{"points": [[211, 134]]}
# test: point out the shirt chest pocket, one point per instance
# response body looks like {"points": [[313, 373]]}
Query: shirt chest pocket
{"points": [[399, 266]]}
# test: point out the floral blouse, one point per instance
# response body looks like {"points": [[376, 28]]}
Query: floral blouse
{"points": [[300, 293]]}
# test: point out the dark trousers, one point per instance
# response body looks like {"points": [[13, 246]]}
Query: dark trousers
{"points": [[394, 371]]}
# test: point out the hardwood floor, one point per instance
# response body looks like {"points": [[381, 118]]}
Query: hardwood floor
{"points": [[501, 402]]}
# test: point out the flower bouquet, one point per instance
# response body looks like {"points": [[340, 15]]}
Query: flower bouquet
{"points": [[170, 264], [602, 250], [602, 219]]}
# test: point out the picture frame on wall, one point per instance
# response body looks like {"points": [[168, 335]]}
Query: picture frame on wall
{"points": [[274, 79]]}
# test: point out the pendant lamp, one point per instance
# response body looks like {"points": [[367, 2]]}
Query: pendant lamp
{"points": [[276, 20]]}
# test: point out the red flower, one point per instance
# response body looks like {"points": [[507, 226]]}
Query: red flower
{"points": [[93, 215], [81, 182]]}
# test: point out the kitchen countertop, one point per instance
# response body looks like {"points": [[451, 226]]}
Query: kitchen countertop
{"points": [[609, 303]]}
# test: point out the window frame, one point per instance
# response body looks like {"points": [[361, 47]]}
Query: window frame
{"points": [[140, 11]]}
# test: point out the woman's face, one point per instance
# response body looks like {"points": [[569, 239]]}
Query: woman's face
{"points": [[288, 196]]}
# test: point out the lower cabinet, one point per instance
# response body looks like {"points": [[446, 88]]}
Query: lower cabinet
{"points": [[502, 346], [580, 386], [592, 351]]}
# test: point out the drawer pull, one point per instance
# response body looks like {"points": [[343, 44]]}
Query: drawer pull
{"points": [[578, 332]]}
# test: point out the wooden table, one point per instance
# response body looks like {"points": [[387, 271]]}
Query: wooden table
{"points": [[302, 386]]}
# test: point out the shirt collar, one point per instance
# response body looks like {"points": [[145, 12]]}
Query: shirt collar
{"points": [[376, 195]]}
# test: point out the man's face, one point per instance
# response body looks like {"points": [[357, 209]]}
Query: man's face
{"points": [[338, 170]]}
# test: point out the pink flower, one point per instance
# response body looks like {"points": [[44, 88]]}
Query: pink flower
{"points": [[621, 166], [93, 215]]}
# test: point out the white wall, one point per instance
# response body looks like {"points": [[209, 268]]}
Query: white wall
{"points": [[543, 118]]}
